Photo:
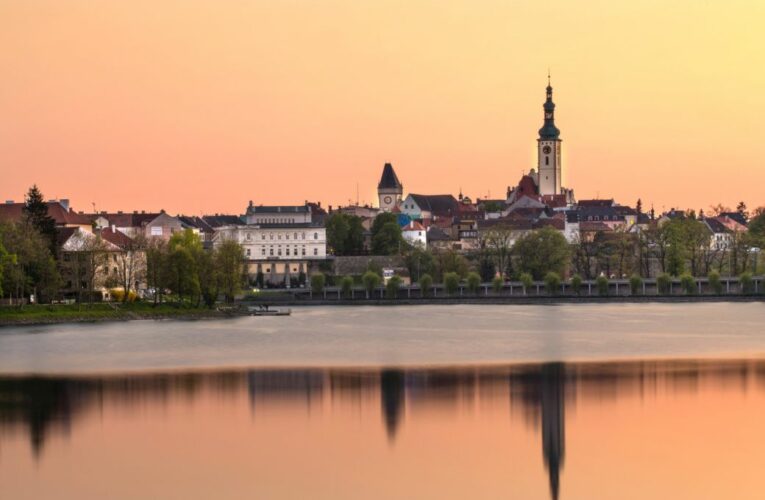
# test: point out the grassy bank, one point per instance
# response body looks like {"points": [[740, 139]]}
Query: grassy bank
{"points": [[42, 314]]}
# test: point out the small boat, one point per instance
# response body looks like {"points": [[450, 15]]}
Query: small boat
{"points": [[265, 310]]}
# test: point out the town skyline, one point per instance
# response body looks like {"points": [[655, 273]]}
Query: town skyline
{"points": [[281, 103]]}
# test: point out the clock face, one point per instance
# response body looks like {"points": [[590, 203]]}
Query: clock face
{"points": [[546, 150], [387, 199]]}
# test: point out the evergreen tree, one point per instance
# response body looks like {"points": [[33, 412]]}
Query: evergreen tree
{"points": [[35, 212]]}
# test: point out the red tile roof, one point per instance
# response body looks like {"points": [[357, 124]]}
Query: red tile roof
{"points": [[14, 212]]}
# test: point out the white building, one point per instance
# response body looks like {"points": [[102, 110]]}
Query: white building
{"points": [[279, 242], [415, 234]]}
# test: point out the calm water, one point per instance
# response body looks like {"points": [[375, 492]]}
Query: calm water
{"points": [[421, 402]]}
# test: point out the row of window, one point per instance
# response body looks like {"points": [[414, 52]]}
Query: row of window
{"points": [[248, 236], [274, 220], [279, 251]]}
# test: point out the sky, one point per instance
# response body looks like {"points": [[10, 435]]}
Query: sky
{"points": [[200, 106]]}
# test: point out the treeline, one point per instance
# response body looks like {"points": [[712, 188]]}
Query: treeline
{"points": [[31, 264], [191, 273]]}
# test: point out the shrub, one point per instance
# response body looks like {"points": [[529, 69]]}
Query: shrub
{"points": [[636, 283], [346, 285], [715, 283], [474, 282], [391, 288], [497, 284], [426, 283], [552, 283], [118, 295], [688, 283], [371, 281], [576, 284], [602, 283], [451, 283], [526, 281], [664, 283], [317, 283], [746, 282]]}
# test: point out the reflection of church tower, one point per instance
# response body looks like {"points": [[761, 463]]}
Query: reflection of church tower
{"points": [[553, 422], [392, 396], [389, 190], [549, 149]]}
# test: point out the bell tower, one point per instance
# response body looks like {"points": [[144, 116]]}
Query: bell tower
{"points": [[389, 190], [548, 150]]}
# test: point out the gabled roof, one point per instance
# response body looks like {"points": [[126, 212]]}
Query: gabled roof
{"points": [[277, 209], [716, 226], [14, 212], [389, 180], [596, 203], [413, 226], [438, 204], [437, 234], [736, 216], [219, 220], [115, 237]]}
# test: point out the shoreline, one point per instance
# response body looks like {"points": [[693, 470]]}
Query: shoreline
{"points": [[34, 318]]}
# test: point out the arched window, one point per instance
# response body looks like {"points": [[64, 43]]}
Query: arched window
{"points": [[547, 160]]}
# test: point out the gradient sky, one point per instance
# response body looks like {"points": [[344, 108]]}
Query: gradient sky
{"points": [[199, 106]]}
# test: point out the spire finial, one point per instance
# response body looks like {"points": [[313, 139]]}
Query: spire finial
{"points": [[548, 76]]}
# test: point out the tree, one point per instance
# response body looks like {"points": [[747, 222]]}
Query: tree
{"points": [[387, 240], [527, 281], [131, 264], [497, 284], [157, 262], [449, 261], [419, 261], [5, 259], [209, 276], [426, 283], [688, 283], [317, 283], [473, 282], [185, 249], [542, 251], [602, 284], [345, 234], [451, 282], [742, 211], [391, 288], [35, 212], [576, 284], [714, 282], [635, 283], [346, 286], [33, 270], [552, 283], [498, 241], [229, 260], [371, 281]]}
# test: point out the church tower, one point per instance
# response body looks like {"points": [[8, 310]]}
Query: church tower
{"points": [[548, 150], [389, 190]]}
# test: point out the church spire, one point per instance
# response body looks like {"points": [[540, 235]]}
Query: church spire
{"points": [[549, 130]]}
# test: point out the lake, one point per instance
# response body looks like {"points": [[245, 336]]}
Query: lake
{"points": [[572, 401]]}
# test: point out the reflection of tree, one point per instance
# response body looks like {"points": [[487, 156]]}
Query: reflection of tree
{"points": [[392, 396]]}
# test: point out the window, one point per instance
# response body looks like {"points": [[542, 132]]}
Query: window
{"points": [[262, 236], [303, 237], [263, 251], [547, 161], [156, 230], [316, 251], [270, 251], [248, 252], [303, 251], [295, 235], [316, 236], [279, 251], [288, 251]]}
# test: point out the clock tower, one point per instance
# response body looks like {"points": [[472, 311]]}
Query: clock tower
{"points": [[548, 150], [389, 190]]}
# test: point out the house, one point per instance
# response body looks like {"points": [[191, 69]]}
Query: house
{"points": [[723, 231], [148, 225], [280, 242], [59, 210], [437, 238], [429, 207], [414, 234]]}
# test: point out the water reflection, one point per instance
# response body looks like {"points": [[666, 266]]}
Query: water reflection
{"points": [[42, 406]]}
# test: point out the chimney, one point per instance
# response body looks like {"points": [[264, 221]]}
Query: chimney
{"points": [[9, 202], [119, 212], [114, 229], [135, 212]]}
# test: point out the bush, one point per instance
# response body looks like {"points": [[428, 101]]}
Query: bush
{"points": [[497, 284], [317, 283], [451, 283], [715, 283], [391, 288], [474, 282], [664, 283], [526, 281], [118, 295], [426, 283], [576, 284], [346, 285], [688, 283], [636, 283], [602, 284], [371, 281], [552, 283], [746, 282]]}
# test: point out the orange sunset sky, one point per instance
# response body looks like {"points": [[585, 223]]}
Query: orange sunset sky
{"points": [[199, 106]]}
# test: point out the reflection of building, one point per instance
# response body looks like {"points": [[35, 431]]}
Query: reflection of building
{"points": [[553, 396], [392, 397]]}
